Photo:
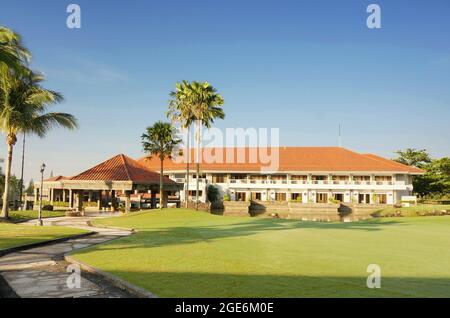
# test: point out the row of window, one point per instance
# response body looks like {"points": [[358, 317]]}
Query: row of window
{"points": [[363, 198], [223, 177]]}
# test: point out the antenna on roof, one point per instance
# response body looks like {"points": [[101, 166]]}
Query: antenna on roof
{"points": [[339, 136]]}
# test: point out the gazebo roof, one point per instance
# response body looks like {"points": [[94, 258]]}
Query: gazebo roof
{"points": [[57, 178], [120, 168]]}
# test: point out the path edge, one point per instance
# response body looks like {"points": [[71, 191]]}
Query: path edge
{"points": [[43, 243], [131, 230], [116, 281]]}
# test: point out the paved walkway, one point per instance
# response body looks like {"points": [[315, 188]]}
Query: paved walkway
{"points": [[41, 271]]}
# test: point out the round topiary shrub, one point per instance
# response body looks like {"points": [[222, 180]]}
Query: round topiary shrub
{"points": [[47, 207]]}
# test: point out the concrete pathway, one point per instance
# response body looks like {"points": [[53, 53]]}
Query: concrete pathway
{"points": [[41, 271]]}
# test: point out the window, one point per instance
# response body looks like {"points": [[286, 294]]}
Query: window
{"points": [[340, 178], [383, 178], [256, 196], [380, 199], [281, 196], [240, 196], [238, 176], [322, 197], [364, 198], [361, 178], [299, 177], [219, 178], [339, 197], [297, 197]]}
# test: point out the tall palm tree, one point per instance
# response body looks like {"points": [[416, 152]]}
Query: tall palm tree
{"points": [[206, 105], [180, 111], [12, 53], [23, 108], [160, 140]]}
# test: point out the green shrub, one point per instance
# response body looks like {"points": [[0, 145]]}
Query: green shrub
{"points": [[47, 207], [212, 193], [226, 197], [55, 203], [90, 204], [334, 201]]}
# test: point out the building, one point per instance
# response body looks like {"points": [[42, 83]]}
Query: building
{"points": [[105, 185], [303, 174]]}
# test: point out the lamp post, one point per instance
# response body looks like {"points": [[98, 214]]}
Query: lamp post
{"points": [[40, 195]]}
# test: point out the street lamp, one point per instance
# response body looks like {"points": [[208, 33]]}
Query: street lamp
{"points": [[40, 195]]}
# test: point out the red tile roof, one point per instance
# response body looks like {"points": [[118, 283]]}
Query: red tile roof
{"points": [[57, 178], [120, 168], [290, 159], [394, 164]]}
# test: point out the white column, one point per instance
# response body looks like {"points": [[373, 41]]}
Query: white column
{"points": [[70, 198]]}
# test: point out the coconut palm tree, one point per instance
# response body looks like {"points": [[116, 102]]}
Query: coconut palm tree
{"points": [[12, 53], [206, 105], [23, 109], [180, 111], [160, 140], [196, 102]]}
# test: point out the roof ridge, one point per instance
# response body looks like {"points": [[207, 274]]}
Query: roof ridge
{"points": [[390, 162], [125, 165]]}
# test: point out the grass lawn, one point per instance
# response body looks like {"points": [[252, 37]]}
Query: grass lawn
{"points": [[414, 210], [12, 235], [17, 216], [182, 253]]}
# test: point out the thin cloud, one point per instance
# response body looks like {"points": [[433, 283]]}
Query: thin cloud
{"points": [[86, 72]]}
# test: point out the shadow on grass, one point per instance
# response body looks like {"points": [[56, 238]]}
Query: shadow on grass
{"points": [[176, 235], [186, 284]]}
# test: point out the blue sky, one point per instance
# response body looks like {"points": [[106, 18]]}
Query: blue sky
{"points": [[302, 66]]}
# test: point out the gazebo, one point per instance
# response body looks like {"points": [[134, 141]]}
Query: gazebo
{"points": [[103, 182]]}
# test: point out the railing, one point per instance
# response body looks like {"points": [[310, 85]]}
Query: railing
{"points": [[361, 182], [320, 182], [182, 180], [299, 182]]}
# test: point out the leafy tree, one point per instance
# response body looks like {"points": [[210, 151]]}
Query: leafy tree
{"points": [[436, 180], [30, 189], [23, 108], [160, 140], [14, 189], [413, 157]]}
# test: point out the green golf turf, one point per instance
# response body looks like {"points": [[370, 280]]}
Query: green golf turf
{"points": [[12, 235], [19, 216], [182, 253]]}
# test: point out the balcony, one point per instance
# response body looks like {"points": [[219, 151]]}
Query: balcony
{"points": [[319, 184], [191, 180], [298, 181], [305, 184]]}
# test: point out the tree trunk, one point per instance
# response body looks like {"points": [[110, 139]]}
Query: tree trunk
{"points": [[186, 194], [5, 209], [198, 164], [21, 173], [161, 188]]}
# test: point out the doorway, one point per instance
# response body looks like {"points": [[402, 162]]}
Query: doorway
{"points": [[339, 197], [322, 197]]}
